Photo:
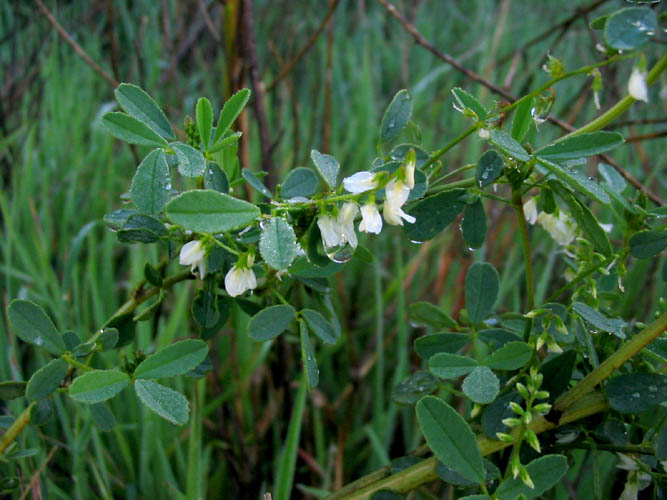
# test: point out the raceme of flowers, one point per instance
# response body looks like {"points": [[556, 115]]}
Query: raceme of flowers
{"points": [[561, 227]]}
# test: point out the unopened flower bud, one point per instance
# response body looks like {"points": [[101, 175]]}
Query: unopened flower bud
{"points": [[531, 439], [507, 438], [525, 477]]}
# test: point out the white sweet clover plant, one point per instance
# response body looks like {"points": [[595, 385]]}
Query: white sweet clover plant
{"points": [[522, 373]]}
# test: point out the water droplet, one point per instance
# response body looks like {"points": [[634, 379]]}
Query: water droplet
{"points": [[636, 395], [38, 341], [392, 124], [652, 388], [340, 253], [263, 223], [416, 242]]}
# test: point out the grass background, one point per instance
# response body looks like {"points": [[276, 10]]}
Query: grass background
{"points": [[61, 172]]}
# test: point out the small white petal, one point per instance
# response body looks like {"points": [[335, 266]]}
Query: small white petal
{"points": [[191, 253], [483, 133], [328, 230], [345, 223], [395, 215], [410, 174], [561, 228], [637, 85], [239, 280], [530, 211], [397, 193], [371, 221], [360, 182]]}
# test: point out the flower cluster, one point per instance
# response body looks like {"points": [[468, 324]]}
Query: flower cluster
{"points": [[561, 227], [339, 229], [239, 278]]}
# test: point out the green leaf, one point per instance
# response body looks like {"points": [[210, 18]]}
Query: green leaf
{"points": [[320, 326], [255, 183], [167, 403], [129, 129], [636, 392], [46, 380], [630, 28], [215, 178], [581, 146], [576, 180], [102, 417], [327, 166], [481, 386], [308, 356], [645, 244], [430, 345], [268, 323], [450, 438], [508, 145], [598, 320], [496, 337], [545, 472], [277, 244], [447, 366], [465, 100], [137, 103], [585, 219], [175, 359], [230, 111], [510, 356], [204, 307], [489, 168], [473, 225], [481, 291], [425, 313], [204, 121], [434, 214], [206, 211], [225, 142], [396, 117], [191, 163], [557, 373], [11, 389], [98, 385], [141, 228], [522, 119], [413, 388], [151, 186], [301, 181], [33, 326], [496, 412]]}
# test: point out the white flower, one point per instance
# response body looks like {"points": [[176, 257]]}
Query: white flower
{"points": [[561, 228], [410, 172], [371, 222], [637, 85], [596, 99], [193, 254], [345, 223], [360, 182], [530, 211], [241, 278], [483, 133], [329, 231], [397, 194]]}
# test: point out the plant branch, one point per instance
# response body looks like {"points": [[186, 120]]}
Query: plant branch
{"points": [[607, 367], [423, 472], [15, 429], [77, 48]]}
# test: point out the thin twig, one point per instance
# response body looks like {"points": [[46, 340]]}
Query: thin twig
{"points": [[77, 48], [641, 121], [302, 52], [646, 137], [250, 59], [563, 25]]}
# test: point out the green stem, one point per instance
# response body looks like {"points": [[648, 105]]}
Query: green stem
{"points": [[76, 363], [424, 471], [517, 203], [621, 106], [15, 429], [636, 344], [642, 450], [581, 276], [463, 183], [140, 296], [437, 154]]}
